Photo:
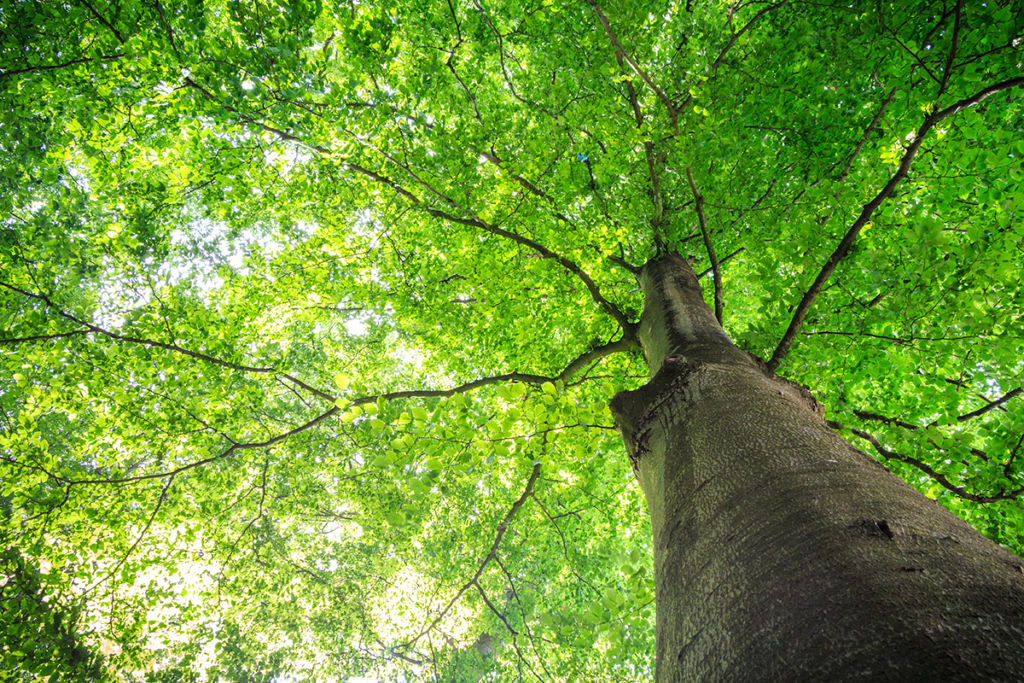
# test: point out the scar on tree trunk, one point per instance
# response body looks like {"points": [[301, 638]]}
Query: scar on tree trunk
{"points": [[781, 552]]}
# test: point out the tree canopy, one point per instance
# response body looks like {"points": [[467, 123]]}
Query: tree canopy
{"points": [[310, 314]]}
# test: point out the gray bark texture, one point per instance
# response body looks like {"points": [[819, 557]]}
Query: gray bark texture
{"points": [[781, 552]]}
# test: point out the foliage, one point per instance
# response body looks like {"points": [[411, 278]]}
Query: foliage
{"points": [[310, 314]]}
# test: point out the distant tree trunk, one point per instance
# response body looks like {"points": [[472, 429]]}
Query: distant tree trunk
{"points": [[780, 551]]}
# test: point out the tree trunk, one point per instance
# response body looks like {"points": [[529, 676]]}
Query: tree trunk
{"points": [[780, 551]]}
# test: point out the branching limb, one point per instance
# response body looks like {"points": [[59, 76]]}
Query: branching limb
{"points": [[311, 389], [867, 134], [526, 623], [99, 17], [495, 610], [502, 527], [471, 221], [574, 366], [134, 340], [875, 417], [746, 27], [565, 547], [869, 209], [511, 630], [142, 534], [653, 170], [910, 426], [673, 112], [477, 222], [128, 339]]}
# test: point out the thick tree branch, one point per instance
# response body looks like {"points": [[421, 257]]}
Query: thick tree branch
{"points": [[574, 366], [869, 209], [990, 405], [976, 98], [875, 417]]}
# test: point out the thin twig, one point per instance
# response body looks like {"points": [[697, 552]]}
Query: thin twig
{"points": [[149, 523], [43, 337], [707, 271], [715, 267], [948, 70], [940, 478], [107, 24], [867, 133]]}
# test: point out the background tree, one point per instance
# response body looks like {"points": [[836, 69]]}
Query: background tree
{"points": [[311, 314]]}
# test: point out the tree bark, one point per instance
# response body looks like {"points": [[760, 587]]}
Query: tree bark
{"points": [[781, 552]]}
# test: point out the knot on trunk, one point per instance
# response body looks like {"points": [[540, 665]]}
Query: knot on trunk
{"points": [[659, 403]]}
